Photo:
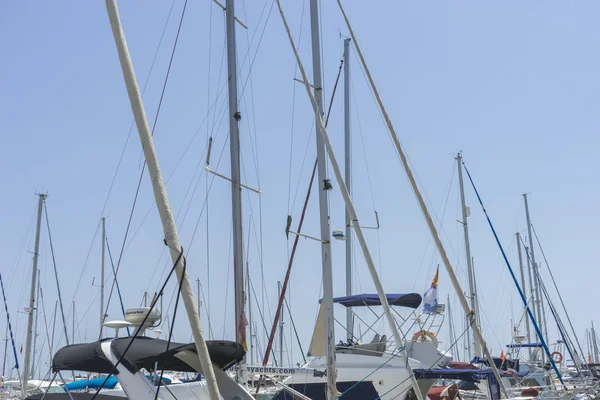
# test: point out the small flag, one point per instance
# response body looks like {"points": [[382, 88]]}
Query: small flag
{"points": [[430, 300], [590, 359], [242, 331], [502, 356]]}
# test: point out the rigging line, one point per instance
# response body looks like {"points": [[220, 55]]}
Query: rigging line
{"points": [[418, 182], [337, 79], [442, 206], [262, 319], [295, 331], [162, 35], [262, 34], [562, 331], [139, 328], [208, 80], [199, 217], [43, 305], [252, 132], [294, 111], [172, 326], [20, 251], [296, 240], [112, 264], [144, 166], [309, 141], [223, 46], [60, 302], [362, 140], [555, 285], [128, 137], [207, 310], [204, 204], [85, 264], [12, 338], [537, 329], [229, 267], [151, 207]]}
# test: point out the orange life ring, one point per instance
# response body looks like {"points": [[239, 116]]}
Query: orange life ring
{"points": [[560, 357], [422, 335]]}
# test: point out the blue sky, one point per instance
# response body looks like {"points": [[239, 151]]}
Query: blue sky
{"points": [[513, 85]]}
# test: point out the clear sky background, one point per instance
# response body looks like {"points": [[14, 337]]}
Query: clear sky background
{"points": [[512, 84]]}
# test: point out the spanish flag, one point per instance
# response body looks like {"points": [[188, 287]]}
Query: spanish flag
{"points": [[430, 300]]}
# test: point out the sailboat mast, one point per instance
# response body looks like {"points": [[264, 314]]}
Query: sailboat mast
{"points": [[539, 304], [102, 316], [472, 297], [524, 291], [348, 180], [35, 329], [162, 201], [32, 305], [323, 205], [236, 189]]}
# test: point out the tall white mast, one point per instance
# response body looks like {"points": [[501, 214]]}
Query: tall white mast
{"points": [[236, 189], [348, 180], [323, 185], [162, 201], [102, 315], [32, 306], [432, 228], [472, 296], [539, 304], [524, 288]]}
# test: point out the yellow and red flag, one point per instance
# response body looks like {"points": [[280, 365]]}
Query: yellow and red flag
{"points": [[430, 300]]}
